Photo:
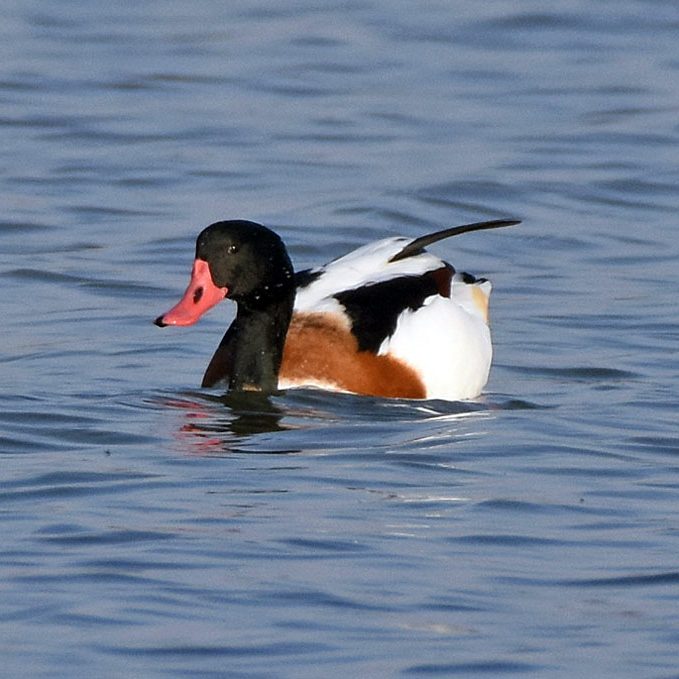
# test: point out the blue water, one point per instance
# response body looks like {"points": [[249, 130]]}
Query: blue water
{"points": [[154, 529]]}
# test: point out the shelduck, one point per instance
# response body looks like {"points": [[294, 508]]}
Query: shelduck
{"points": [[388, 319]]}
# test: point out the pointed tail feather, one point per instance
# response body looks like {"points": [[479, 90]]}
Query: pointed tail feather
{"points": [[417, 246]]}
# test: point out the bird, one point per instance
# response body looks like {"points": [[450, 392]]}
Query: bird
{"points": [[388, 320]]}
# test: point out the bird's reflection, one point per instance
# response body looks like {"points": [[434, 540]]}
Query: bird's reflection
{"points": [[214, 424]]}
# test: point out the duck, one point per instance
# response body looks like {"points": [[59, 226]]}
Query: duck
{"points": [[389, 319]]}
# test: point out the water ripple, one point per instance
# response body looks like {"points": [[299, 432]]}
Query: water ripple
{"points": [[151, 528]]}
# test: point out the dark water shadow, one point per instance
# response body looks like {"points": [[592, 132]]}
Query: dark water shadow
{"points": [[215, 423], [250, 413]]}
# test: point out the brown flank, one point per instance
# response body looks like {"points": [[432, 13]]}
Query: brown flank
{"points": [[318, 348]]}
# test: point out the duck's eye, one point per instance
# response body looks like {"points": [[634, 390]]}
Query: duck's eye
{"points": [[232, 249]]}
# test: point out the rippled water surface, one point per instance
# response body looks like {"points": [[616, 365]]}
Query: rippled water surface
{"points": [[154, 529]]}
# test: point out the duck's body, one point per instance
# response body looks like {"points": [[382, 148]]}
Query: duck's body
{"points": [[388, 319]]}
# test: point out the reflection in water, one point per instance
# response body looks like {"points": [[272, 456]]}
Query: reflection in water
{"points": [[209, 429], [311, 421]]}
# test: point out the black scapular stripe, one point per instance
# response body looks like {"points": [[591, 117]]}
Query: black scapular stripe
{"points": [[374, 309]]}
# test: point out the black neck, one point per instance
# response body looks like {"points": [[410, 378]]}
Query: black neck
{"points": [[258, 341]]}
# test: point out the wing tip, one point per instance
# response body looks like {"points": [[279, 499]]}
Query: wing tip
{"points": [[417, 246]]}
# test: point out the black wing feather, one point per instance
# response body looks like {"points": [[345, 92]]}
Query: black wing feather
{"points": [[417, 246], [374, 309]]}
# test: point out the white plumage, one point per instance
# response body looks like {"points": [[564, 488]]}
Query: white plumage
{"points": [[446, 340]]}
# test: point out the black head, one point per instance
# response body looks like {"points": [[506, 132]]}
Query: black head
{"points": [[248, 259]]}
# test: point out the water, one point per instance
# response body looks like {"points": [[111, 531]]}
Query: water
{"points": [[154, 529]]}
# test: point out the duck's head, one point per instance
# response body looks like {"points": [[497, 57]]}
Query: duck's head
{"points": [[241, 260]]}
